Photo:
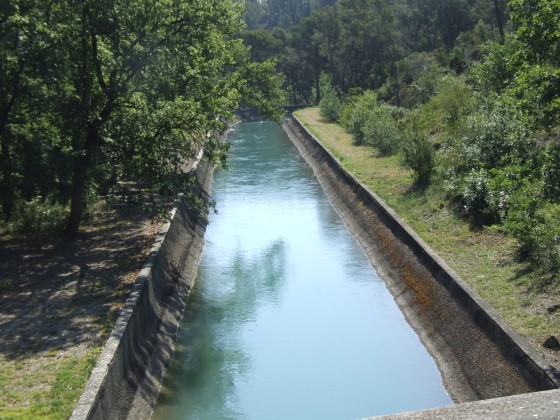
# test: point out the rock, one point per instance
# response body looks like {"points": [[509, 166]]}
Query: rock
{"points": [[553, 308], [552, 343]]}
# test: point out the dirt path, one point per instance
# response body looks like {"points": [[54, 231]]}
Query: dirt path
{"points": [[58, 302]]}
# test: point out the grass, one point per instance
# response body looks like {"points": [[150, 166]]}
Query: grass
{"points": [[484, 258], [49, 393]]}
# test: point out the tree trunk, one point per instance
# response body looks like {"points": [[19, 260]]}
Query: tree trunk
{"points": [[317, 70], [7, 187], [499, 20], [82, 163]]}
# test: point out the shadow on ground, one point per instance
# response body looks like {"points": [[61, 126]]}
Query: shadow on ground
{"points": [[55, 294]]}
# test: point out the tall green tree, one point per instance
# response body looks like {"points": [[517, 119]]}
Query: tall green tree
{"points": [[129, 87]]}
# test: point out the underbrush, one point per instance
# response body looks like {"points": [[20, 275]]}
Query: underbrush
{"points": [[40, 216], [483, 255]]}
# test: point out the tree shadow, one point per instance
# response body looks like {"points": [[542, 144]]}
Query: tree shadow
{"points": [[55, 294], [418, 188], [533, 276]]}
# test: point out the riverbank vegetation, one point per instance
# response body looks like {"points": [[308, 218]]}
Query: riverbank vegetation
{"points": [[97, 97], [104, 105], [484, 256], [465, 94], [449, 109]]}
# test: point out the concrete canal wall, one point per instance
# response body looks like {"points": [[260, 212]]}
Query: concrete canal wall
{"points": [[126, 380], [478, 354]]}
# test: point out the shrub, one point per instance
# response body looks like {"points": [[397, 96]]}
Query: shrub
{"points": [[330, 106], [346, 114], [475, 193], [380, 131], [535, 226], [494, 137], [504, 184], [551, 172], [363, 108], [417, 153], [38, 216]]}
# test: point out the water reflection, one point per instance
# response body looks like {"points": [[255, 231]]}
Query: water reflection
{"points": [[288, 318], [209, 356]]}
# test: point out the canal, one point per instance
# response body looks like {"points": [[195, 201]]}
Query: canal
{"points": [[288, 319]]}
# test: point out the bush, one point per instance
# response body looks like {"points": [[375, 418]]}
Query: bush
{"points": [[330, 106], [475, 193], [504, 184], [346, 114], [418, 154], [551, 172], [494, 138], [38, 216], [537, 230], [362, 111], [381, 132]]}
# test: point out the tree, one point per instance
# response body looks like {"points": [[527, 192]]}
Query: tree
{"points": [[538, 27], [131, 83]]}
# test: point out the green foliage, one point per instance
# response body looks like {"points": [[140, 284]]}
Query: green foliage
{"points": [[380, 131], [261, 89], [472, 42], [330, 106], [490, 162], [445, 112], [98, 92], [263, 44], [538, 27], [361, 112], [40, 216], [418, 154], [499, 66], [348, 107], [495, 138], [536, 93], [551, 172], [504, 185], [372, 124], [475, 192], [535, 225]]}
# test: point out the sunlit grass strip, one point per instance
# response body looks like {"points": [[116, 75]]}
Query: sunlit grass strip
{"points": [[50, 393], [485, 258]]}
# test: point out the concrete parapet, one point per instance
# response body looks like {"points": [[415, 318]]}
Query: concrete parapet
{"points": [[127, 377], [478, 354]]}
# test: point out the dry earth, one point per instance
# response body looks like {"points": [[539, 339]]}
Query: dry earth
{"points": [[60, 299]]}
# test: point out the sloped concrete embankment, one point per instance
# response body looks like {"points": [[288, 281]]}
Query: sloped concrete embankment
{"points": [[127, 378], [478, 355]]}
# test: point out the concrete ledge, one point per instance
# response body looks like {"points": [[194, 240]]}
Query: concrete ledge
{"points": [[127, 377], [536, 405], [478, 354]]}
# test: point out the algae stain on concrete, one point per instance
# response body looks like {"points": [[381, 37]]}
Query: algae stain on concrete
{"points": [[288, 319]]}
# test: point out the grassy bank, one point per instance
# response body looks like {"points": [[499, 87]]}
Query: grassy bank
{"points": [[485, 258]]}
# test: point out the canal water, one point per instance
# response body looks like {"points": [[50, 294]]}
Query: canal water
{"points": [[288, 319]]}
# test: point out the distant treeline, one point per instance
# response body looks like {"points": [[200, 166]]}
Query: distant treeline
{"points": [[467, 92]]}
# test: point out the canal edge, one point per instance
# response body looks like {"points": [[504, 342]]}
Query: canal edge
{"points": [[486, 317], [127, 377]]}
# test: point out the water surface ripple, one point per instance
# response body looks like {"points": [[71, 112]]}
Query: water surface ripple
{"points": [[288, 320]]}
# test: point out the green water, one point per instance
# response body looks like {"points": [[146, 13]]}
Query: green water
{"points": [[288, 320]]}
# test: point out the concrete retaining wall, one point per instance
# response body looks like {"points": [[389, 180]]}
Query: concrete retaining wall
{"points": [[127, 378], [478, 354]]}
